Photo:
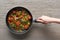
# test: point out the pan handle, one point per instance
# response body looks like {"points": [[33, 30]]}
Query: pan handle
{"points": [[36, 21]]}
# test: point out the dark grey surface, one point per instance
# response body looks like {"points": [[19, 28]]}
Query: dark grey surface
{"points": [[37, 8]]}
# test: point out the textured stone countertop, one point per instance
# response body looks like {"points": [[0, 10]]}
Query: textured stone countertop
{"points": [[37, 8]]}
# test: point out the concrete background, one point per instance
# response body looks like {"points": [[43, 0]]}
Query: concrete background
{"points": [[37, 8]]}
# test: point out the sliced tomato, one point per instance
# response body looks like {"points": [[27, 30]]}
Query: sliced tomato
{"points": [[18, 23], [26, 26], [10, 19], [29, 17]]}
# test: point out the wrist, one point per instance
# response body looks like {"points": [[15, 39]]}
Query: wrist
{"points": [[55, 20]]}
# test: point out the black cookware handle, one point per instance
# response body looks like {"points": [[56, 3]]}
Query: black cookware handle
{"points": [[34, 20]]}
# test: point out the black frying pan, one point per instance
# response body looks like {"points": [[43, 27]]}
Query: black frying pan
{"points": [[18, 8]]}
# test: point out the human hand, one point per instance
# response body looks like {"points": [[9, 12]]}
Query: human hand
{"points": [[47, 19]]}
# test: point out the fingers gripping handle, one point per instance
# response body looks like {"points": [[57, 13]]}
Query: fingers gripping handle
{"points": [[46, 19]]}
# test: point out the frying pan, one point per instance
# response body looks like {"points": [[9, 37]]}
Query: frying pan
{"points": [[19, 8]]}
